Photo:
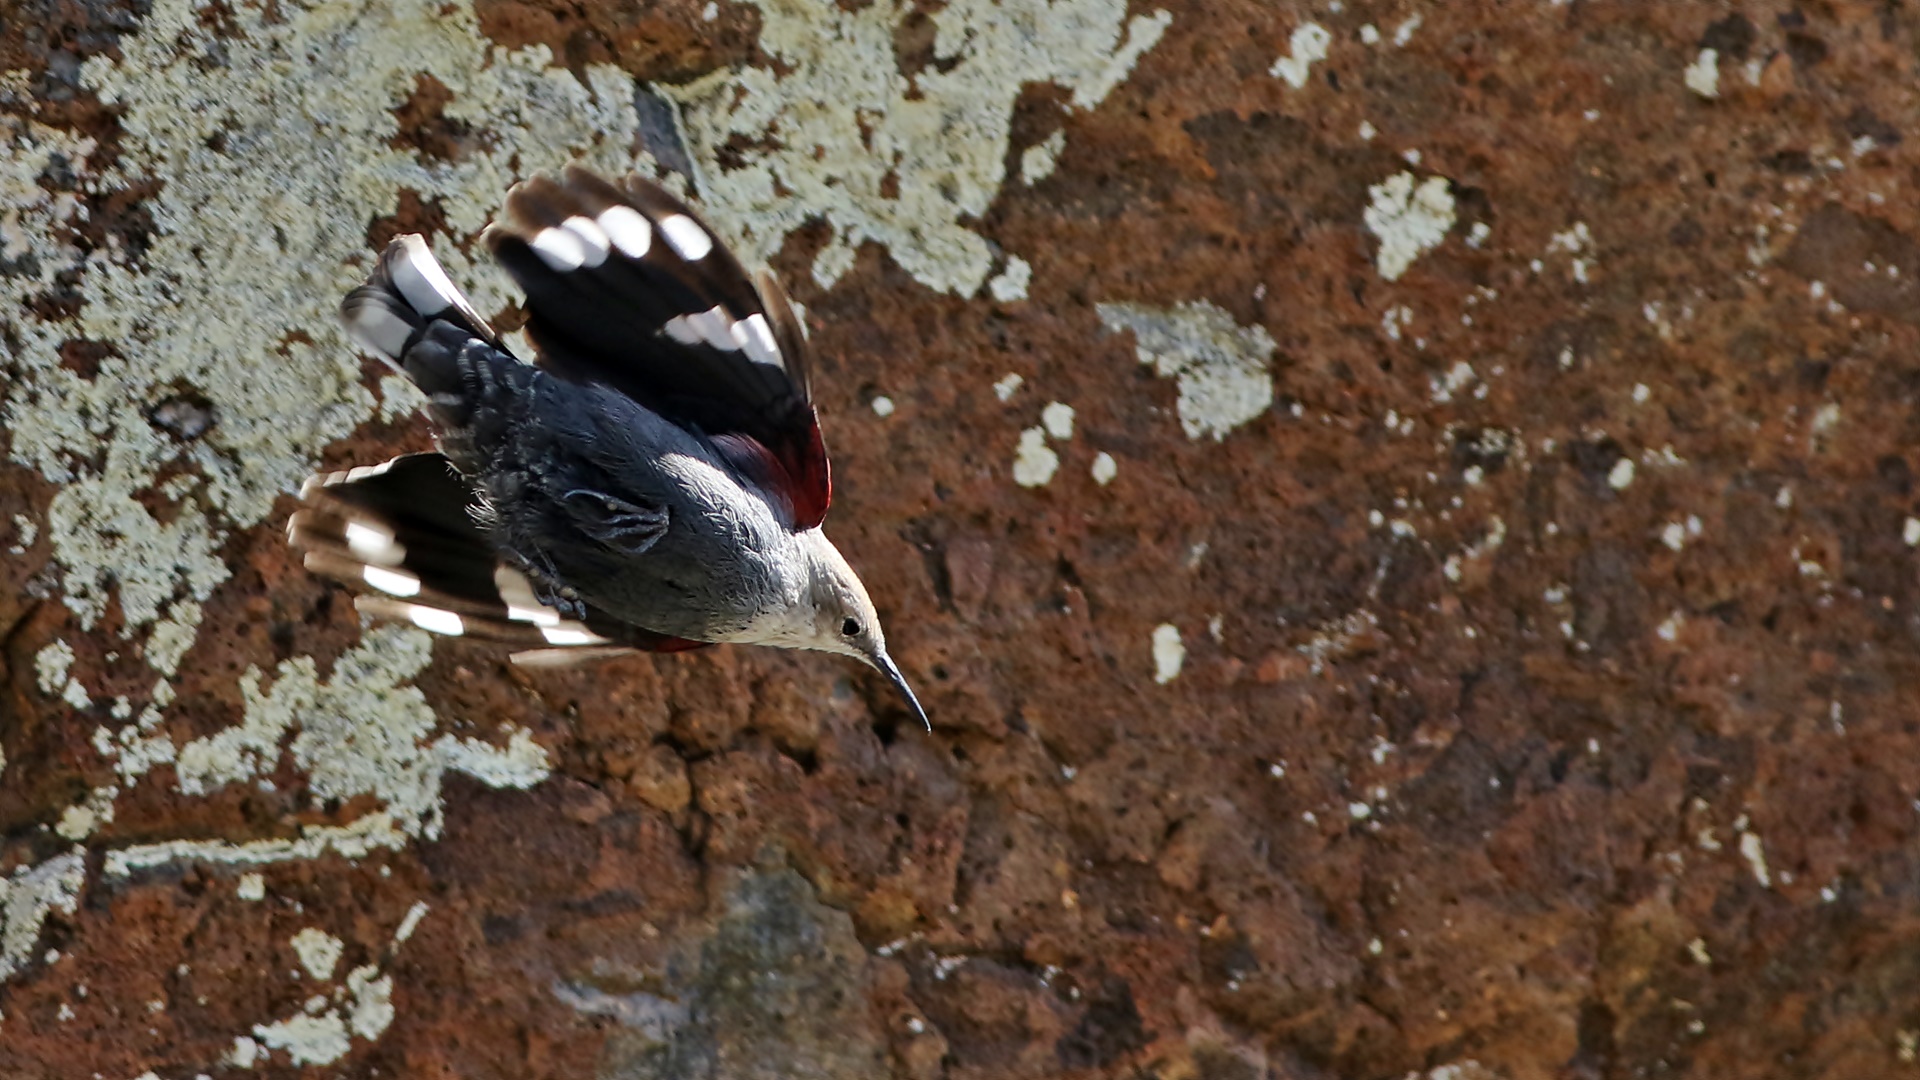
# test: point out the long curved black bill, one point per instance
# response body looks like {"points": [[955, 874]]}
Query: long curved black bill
{"points": [[886, 665]]}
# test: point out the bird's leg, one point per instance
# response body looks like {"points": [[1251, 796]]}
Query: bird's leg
{"points": [[545, 580]]}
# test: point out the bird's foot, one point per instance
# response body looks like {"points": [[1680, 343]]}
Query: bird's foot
{"points": [[548, 589]]}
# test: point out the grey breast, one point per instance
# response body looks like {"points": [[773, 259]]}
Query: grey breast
{"points": [[724, 557]]}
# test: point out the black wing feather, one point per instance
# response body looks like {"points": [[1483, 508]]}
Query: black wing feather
{"points": [[408, 530], [628, 287]]}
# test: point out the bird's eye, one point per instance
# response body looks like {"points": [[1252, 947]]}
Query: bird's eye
{"points": [[851, 628]]}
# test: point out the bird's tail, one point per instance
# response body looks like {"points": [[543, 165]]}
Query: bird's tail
{"points": [[410, 314], [407, 290]]}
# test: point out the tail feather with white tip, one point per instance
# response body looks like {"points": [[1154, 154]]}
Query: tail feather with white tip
{"points": [[407, 290], [410, 314]]}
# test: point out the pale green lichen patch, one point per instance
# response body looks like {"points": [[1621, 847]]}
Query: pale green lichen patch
{"points": [[1011, 284], [841, 133], [364, 836], [1309, 45], [371, 994], [324, 1033], [1037, 162], [308, 1040], [1057, 418], [363, 732], [1221, 366], [1408, 218], [26, 531], [172, 637], [83, 819], [1034, 462], [51, 666], [34, 222], [319, 951], [1169, 654], [253, 886], [1703, 75], [67, 686], [27, 897]]}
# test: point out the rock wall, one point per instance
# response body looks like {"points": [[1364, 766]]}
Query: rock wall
{"points": [[1402, 513]]}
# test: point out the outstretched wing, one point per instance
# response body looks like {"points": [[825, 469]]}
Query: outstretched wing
{"points": [[405, 530], [627, 287]]}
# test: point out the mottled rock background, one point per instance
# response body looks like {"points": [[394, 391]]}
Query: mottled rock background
{"points": [[1488, 649]]}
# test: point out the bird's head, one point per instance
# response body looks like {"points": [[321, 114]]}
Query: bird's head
{"points": [[837, 616]]}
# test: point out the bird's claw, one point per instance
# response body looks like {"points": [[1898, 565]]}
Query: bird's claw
{"points": [[547, 589]]}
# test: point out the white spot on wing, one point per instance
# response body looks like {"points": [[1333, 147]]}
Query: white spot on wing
{"points": [[362, 472], [513, 585], [681, 329], [420, 279], [761, 348], [593, 240], [715, 328], [559, 249], [565, 657], [571, 634], [522, 605], [375, 544], [436, 621], [627, 229], [686, 237], [391, 582]]}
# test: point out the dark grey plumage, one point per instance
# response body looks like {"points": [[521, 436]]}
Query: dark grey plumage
{"points": [[655, 482]]}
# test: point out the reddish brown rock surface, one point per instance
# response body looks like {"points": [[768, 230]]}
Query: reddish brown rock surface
{"points": [[1550, 716]]}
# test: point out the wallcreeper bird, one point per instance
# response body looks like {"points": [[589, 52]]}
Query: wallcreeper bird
{"points": [[654, 481]]}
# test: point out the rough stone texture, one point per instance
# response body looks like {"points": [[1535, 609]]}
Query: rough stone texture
{"points": [[1538, 696]]}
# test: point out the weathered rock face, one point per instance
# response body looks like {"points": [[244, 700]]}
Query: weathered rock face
{"points": [[1403, 516]]}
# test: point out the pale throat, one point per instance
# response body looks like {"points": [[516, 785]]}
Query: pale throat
{"points": [[794, 620]]}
